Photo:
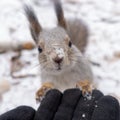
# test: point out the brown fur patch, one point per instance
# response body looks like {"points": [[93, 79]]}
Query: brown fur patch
{"points": [[42, 91], [85, 86]]}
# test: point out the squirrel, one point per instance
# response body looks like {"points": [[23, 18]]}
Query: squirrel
{"points": [[60, 50]]}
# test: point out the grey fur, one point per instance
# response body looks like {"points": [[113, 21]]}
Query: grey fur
{"points": [[35, 27]]}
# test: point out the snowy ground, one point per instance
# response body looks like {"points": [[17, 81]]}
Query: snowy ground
{"points": [[103, 19]]}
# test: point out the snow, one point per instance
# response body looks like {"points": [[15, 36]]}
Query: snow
{"points": [[96, 106], [83, 115], [103, 19]]}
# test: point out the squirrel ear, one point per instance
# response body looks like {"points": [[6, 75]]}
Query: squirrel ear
{"points": [[59, 13], [35, 27]]}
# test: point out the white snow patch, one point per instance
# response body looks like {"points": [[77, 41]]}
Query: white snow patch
{"points": [[83, 115]]}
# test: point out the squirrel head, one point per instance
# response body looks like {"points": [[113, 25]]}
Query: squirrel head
{"points": [[56, 52]]}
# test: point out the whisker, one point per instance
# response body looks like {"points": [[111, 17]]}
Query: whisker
{"points": [[74, 60], [41, 62], [79, 56], [44, 66], [36, 66]]}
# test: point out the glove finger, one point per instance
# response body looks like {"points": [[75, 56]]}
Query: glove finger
{"points": [[19, 113], [107, 109], [85, 107], [68, 104], [49, 105]]}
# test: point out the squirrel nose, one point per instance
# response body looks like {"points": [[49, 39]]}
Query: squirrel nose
{"points": [[58, 60]]}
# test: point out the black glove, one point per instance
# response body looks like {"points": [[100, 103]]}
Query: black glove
{"points": [[19, 113], [70, 105]]}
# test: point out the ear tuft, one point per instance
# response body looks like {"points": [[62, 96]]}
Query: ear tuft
{"points": [[59, 13], [35, 27]]}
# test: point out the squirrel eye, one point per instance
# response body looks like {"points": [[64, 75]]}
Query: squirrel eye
{"points": [[39, 49], [70, 43]]}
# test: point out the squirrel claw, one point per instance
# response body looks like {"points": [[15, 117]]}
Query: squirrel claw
{"points": [[86, 88], [40, 94], [87, 95], [39, 99]]}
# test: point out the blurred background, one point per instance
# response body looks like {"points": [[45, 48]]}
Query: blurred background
{"points": [[19, 69]]}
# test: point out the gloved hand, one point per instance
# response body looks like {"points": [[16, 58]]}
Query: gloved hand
{"points": [[70, 105]]}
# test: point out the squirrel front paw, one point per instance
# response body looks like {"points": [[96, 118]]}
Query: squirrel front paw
{"points": [[86, 88], [42, 91]]}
